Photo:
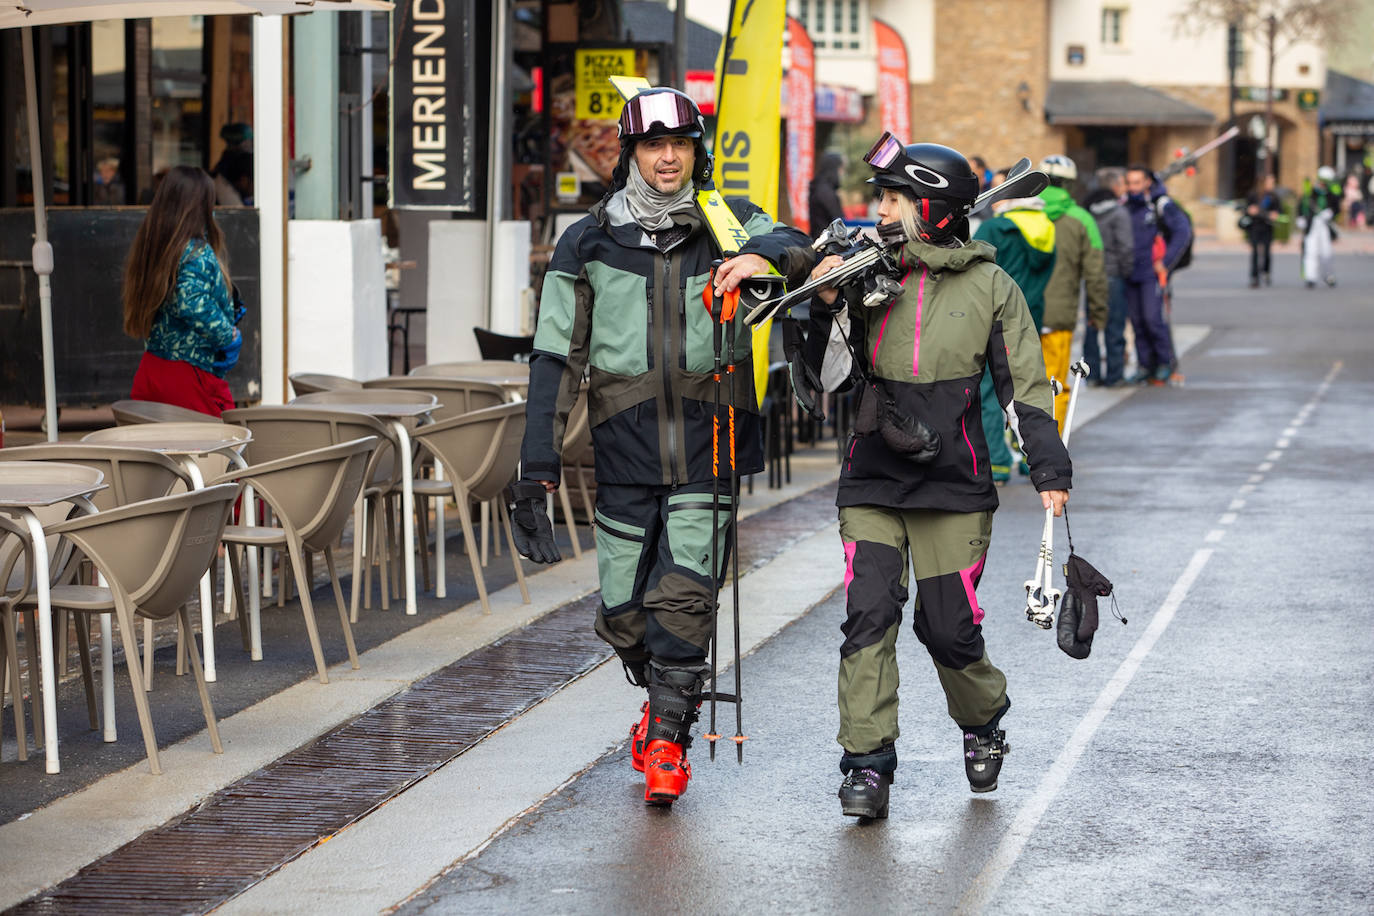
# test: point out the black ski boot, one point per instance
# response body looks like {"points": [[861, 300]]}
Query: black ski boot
{"points": [[864, 793], [674, 695], [983, 758]]}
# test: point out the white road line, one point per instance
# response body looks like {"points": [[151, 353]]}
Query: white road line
{"points": [[1274, 455], [1216, 534], [1236, 505], [1266, 467], [1283, 443], [1248, 487], [1228, 519], [1290, 432], [981, 892]]}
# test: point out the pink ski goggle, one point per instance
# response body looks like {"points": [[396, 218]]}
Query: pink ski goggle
{"points": [[672, 110]]}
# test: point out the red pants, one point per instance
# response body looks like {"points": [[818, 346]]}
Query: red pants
{"points": [[169, 381]]}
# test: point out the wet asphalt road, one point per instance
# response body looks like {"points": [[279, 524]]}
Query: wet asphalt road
{"points": [[1212, 755]]}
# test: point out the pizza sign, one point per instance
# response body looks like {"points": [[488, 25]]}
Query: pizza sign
{"points": [[597, 99]]}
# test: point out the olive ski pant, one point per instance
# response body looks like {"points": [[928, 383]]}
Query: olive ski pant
{"points": [[945, 551], [653, 557]]}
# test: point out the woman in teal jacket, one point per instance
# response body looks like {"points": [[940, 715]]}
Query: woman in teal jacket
{"points": [[178, 297]]}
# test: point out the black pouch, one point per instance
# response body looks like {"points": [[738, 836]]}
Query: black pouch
{"points": [[904, 434]]}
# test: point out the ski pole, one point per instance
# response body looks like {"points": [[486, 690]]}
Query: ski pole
{"points": [[714, 308], [739, 738], [1041, 595]]}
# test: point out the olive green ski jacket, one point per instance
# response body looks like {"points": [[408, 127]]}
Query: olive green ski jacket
{"points": [[958, 312], [632, 316]]}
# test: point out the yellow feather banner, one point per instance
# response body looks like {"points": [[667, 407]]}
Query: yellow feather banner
{"points": [[748, 150]]}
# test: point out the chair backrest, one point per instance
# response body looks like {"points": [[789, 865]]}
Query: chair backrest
{"points": [[310, 382], [481, 449], [133, 474], [128, 413], [154, 552], [366, 396], [502, 346], [474, 368], [281, 432], [312, 494], [456, 396]]}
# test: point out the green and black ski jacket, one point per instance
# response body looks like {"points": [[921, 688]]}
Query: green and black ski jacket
{"points": [[958, 312], [632, 315]]}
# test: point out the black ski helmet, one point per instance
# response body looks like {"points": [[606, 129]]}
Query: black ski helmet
{"points": [[660, 112], [938, 178]]}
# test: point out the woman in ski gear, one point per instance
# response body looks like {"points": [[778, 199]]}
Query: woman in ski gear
{"points": [[622, 300], [905, 515]]}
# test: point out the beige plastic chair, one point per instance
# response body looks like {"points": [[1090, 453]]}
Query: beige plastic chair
{"points": [[474, 368], [281, 432], [129, 413], [311, 496], [310, 382], [132, 475], [152, 555], [456, 396], [480, 454], [15, 550]]}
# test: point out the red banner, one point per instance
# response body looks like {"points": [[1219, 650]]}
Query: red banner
{"points": [[894, 105], [801, 123]]}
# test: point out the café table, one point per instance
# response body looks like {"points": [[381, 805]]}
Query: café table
{"points": [[391, 406], [24, 487], [187, 441]]}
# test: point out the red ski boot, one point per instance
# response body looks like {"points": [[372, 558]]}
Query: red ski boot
{"points": [[638, 733], [666, 772]]}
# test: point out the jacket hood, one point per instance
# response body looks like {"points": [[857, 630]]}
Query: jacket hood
{"points": [[828, 170], [1037, 231], [1101, 201], [955, 259], [1057, 202]]}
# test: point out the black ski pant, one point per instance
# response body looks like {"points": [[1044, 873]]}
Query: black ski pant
{"points": [[945, 550], [653, 557], [1259, 254]]}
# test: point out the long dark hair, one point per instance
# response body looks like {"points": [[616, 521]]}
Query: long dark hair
{"points": [[182, 210]]}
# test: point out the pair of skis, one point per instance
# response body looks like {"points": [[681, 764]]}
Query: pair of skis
{"points": [[722, 310], [1042, 597]]}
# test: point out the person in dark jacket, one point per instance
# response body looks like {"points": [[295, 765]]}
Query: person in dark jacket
{"points": [[1107, 361], [622, 300], [1145, 285], [1261, 211], [825, 196], [928, 516]]}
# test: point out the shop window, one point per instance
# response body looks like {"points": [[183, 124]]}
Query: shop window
{"points": [[109, 183], [178, 89]]}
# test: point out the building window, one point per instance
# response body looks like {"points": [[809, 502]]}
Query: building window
{"points": [[1235, 47], [1113, 27], [834, 25]]}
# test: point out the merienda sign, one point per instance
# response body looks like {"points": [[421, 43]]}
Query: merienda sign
{"points": [[432, 106]]}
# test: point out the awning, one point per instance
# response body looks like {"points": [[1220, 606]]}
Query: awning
{"points": [[1347, 105], [1119, 103]]}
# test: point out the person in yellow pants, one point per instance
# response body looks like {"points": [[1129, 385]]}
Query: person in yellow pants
{"points": [[1055, 347]]}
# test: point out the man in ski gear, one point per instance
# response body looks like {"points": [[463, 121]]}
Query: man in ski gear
{"points": [[1077, 268], [1261, 212], [930, 516], [1107, 363], [1144, 287], [623, 301], [1317, 211], [1023, 238]]}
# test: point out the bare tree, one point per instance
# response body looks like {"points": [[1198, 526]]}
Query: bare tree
{"points": [[1277, 25]]}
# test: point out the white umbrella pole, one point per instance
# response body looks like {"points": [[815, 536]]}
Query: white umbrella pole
{"points": [[42, 251]]}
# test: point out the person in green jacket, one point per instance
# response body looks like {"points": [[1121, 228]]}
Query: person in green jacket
{"points": [[927, 514], [1077, 266], [1024, 238]]}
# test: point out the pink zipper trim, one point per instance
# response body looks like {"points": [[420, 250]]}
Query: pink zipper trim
{"points": [[850, 456], [968, 402], [873, 360], [920, 300]]}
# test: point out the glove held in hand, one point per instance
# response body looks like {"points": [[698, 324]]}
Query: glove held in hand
{"points": [[530, 523]]}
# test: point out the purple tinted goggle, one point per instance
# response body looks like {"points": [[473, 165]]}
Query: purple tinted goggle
{"points": [[669, 109]]}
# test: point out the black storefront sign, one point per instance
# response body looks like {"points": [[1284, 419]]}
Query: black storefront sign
{"points": [[433, 105]]}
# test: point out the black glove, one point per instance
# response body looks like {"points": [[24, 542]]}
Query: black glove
{"points": [[530, 522]]}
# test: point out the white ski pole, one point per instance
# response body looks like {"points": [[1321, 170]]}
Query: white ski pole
{"points": [[1041, 596]]}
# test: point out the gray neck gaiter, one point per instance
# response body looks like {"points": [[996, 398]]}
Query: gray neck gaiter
{"points": [[652, 209]]}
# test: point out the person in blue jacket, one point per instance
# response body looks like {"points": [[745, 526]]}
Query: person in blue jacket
{"points": [[1151, 211]]}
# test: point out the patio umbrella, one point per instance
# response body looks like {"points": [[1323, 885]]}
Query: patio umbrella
{"points": [[31, 13]]}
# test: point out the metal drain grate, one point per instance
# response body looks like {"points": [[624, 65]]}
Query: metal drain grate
{"points": [[248, 830]]}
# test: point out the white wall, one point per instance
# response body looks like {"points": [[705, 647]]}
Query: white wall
{"points": [[337, 290], [914, 20], [1155, 52]]}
